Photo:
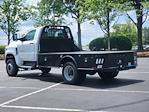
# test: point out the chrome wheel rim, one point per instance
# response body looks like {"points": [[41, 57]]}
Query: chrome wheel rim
{"points": [[10, 67], [69, 73]]}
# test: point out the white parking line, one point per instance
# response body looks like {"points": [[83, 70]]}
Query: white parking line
{"points": [[29, 94], [135, 72], [143, 66], [49, 109], [4, 87], [101, 90], [43, 108]]}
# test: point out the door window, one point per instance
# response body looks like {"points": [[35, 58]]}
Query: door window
{"points": [[30, 36]]}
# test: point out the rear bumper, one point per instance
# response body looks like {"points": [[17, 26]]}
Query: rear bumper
{"points": [[109, 68], [128, 67]]}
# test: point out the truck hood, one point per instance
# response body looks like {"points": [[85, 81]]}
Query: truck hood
{"points": [[12, 44]]}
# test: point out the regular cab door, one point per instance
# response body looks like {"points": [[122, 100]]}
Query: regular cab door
{"points": [[26, 49]]}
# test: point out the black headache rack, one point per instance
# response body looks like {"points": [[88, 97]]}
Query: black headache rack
{"points": [[57, 39]]}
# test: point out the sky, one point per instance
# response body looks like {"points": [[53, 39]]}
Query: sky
{"points": [[89, 31]]}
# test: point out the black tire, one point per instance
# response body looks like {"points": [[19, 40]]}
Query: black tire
{"points": [[82, 76], [45, 70], [108, 75], [71, 75], [11, 68]]}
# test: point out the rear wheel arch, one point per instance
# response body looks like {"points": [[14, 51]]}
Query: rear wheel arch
{"points": [[67, 59]]}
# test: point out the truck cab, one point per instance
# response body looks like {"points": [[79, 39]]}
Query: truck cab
{"points": [[53, 46], [23, 48]]}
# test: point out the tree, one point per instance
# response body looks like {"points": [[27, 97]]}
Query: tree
{"points": [[146, 35], [102, 11], [117, 43], [125, 30], [48, 12], [138, 5], [73, 8], [141, 8], [12, 12]]}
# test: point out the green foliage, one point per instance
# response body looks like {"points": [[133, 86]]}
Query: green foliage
{"points": [[119, 43], [48, 12], [51, 12], [103, 12], [96, 9], [99, 10], [12, 12], [141, 9], [146, 36], [98, 44], [72, 7], [2, 49], [126, 30]]}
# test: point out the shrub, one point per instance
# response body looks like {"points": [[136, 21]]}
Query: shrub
{"points": [[119, 43], [2, 49], [98, 44]]}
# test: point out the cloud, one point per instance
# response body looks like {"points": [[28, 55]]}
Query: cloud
{"points": [[3, 38], [31, 2], [146, 24], [26, 25], [2, 35], [89, 32]]}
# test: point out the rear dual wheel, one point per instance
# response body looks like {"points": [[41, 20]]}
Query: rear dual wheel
{"points": [[71, 75], [108, 75]]}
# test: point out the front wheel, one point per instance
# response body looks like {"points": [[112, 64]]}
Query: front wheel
{"points": [[71, 75], [11, 68], [108, 75]]}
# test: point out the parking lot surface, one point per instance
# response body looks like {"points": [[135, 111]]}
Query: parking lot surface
{"points": [[34, 92]]}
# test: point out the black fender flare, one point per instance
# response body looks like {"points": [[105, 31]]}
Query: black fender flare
{"points": [[67, 58], [9, 56]]}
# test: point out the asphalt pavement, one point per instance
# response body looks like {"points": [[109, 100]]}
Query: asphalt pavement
{"points": [[34, 92]]}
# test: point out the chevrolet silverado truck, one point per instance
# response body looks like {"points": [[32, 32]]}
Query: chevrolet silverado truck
{"points": [[53, 46]]}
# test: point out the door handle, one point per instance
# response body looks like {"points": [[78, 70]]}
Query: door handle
{"points": [[31, 43]]}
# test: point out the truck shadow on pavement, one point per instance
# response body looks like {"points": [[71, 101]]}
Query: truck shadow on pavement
{"points": [[90, 81], [96, 82], [55, 78]]}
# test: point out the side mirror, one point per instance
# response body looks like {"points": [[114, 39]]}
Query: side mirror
{"points": [[21, 37]]}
